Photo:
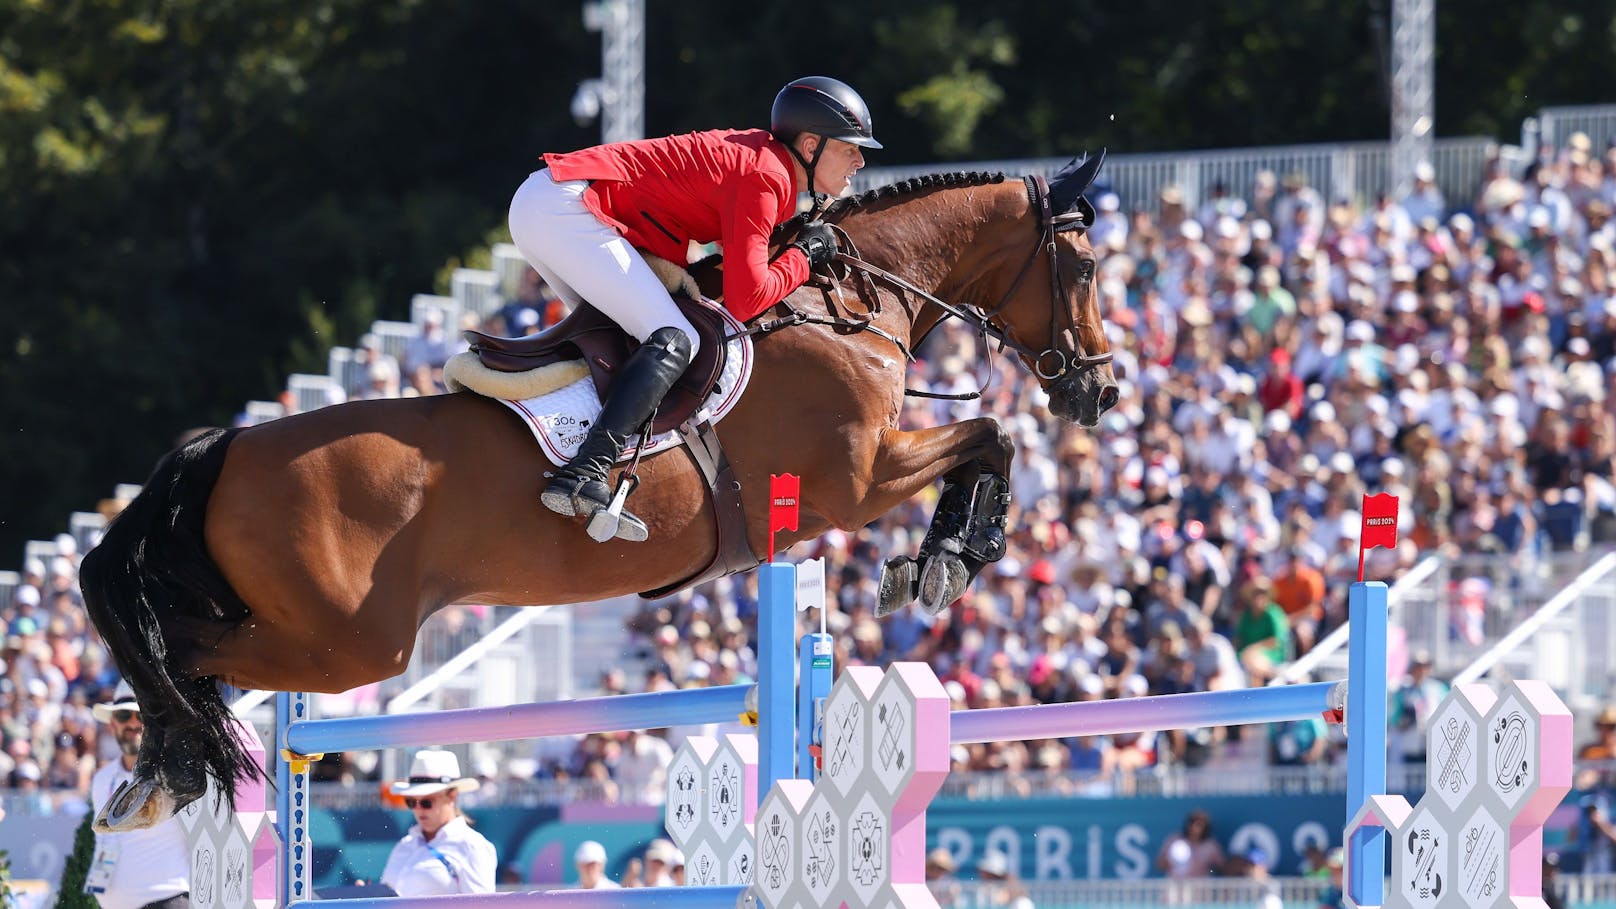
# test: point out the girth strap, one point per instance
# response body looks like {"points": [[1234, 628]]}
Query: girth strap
{"points": [[733, 554]]}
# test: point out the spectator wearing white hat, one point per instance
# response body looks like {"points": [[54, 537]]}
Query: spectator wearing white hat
{"points": [[590, 860], [134, 869], [1110, 230], [441, 855], [659, 859], [1425, 199], [998, 879]]}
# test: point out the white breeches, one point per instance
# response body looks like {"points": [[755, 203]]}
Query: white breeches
{"points": [[583, 260]]}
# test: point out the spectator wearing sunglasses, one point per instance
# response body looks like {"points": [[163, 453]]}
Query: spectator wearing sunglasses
{"points": [[134, 869], [441, 855]]}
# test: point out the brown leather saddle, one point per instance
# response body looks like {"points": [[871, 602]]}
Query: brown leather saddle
{"points": [[589, 335]]}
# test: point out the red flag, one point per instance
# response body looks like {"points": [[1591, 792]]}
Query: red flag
{"points": [[1379, 521], [784, 492], [1379, 525]]}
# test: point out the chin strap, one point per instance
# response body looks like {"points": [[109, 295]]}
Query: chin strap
{"points": [[808, 166]]}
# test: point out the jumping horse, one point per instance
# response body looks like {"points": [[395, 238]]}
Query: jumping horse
{"points": [[303, 554]]}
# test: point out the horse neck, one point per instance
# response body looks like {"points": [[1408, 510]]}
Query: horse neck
{"points": [[948, 243]]}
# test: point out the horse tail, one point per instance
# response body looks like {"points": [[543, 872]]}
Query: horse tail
{"points": [[150, 569]]}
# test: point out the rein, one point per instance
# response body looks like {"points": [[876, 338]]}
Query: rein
{"points": [[1049, 225]]}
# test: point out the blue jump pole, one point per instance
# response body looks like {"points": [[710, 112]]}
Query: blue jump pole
{"points": [[1367, 614], [777, 631], [816, 657], [295, 871], [616, 713]]}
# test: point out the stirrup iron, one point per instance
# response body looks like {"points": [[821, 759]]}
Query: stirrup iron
{"points": [[612, 523]]}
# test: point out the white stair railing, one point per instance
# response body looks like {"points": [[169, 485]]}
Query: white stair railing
{"points": [[1556, 604], [1337, 639]]}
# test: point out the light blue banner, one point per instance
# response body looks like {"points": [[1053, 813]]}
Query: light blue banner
{"points": [[1119, 838]]}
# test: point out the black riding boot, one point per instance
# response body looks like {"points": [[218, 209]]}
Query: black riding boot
{"points": [[580, 487]]}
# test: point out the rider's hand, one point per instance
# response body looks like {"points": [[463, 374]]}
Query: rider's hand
{"points": [[817, 242]]}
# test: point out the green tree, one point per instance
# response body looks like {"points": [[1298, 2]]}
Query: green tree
{"points": [[70, 889], [195, 192]]}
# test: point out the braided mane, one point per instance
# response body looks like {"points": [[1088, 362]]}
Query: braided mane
{"points": [[893, 191]]}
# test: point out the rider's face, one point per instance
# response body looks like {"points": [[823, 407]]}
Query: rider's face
{"points": [[840, 161]]}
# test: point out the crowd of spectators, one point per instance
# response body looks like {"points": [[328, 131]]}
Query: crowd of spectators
{"points": [[1279, 355]]}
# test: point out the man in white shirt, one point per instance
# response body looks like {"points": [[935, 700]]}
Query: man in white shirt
{"points": [[643, 766], [441, 855], [134, 869]]}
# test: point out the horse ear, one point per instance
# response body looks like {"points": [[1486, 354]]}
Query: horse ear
{"points": [[1066, 188]]}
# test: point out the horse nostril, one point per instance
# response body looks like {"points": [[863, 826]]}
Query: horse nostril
{"points": [[1108, 397]]}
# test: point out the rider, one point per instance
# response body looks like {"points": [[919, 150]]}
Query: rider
{"points": [[578, 224]]}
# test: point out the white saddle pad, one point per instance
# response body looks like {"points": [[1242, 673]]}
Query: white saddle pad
{"points": [[560, 419]]}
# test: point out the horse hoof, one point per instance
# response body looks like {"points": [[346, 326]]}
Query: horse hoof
{"points": [[942, 581], [897, 586], [135, 806]]}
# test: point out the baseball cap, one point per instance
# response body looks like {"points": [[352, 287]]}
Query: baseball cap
{"points": [[660, 850], [589, 852]]}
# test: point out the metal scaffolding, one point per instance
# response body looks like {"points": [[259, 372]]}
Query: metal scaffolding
{"points": [[618, 96], [1413, 88]]}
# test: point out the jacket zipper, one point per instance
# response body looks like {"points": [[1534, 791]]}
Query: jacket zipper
{"points": [[665, 232]]}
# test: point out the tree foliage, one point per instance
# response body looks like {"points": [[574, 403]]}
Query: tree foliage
{"points": [[70, 889], [200, 196]]}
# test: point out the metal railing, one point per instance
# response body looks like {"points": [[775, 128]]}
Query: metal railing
{"points": [[1358, 171], [1560, 656], [1184, 894], [1597, 121]]}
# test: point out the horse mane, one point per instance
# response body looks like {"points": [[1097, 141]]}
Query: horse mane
{"points": [[894, 191], [881, 194]]}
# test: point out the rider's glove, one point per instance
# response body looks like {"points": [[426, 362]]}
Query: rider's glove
{"points": [[817, 242]]}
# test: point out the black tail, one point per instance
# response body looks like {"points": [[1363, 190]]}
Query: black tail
{"points": [[151, 567]]}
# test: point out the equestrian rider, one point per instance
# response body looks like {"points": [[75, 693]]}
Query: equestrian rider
{"points": [[578, 223]]}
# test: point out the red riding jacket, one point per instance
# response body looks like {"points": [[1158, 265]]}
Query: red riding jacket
{"points": [[734, 186]]}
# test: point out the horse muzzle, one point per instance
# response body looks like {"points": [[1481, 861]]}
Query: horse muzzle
{"points": [[1083, 397]]}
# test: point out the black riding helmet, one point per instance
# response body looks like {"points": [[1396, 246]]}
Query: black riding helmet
{"points": [[825, 107], [822, 106]]}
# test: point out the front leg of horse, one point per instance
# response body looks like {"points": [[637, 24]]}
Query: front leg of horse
{"points": [[967, 531]]}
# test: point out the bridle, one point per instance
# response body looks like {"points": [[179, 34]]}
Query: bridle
{"points": [[1050, 224]]}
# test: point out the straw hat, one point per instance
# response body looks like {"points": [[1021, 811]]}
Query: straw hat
{"points": [[433, 771], [122, 699]]}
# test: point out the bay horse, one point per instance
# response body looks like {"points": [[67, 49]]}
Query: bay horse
{"points": [[304, 554]]}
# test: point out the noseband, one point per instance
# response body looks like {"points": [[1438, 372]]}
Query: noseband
{"points": [[1051, 363]]}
